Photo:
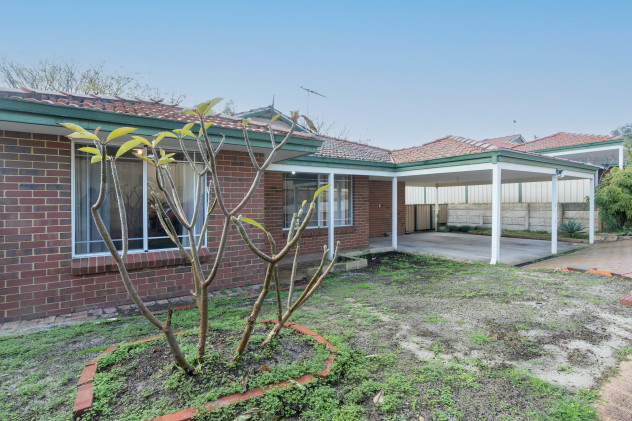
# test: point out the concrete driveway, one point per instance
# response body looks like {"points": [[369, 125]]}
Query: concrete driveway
{"points": [[513, 251], [615, 257]]}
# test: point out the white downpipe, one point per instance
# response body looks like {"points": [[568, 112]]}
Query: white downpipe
{"points": [[330, 214], [591, 216], [394, 212], [554, 200], [496, 213]]}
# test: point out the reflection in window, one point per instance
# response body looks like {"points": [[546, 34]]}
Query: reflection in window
{"points": [[302, 186]]}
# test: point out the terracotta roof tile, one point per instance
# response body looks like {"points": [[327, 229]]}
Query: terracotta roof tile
{"points": [[562, 139], [346, 149], [442, 148], [504, 141], [153, 109]]}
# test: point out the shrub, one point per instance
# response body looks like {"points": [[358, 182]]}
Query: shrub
{"points": [[572, 227], [614, 199]]}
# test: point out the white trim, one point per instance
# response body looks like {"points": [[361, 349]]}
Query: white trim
{"points": [[145, 217], [326, 170], [591, 216], [496, 212], [554, 200], [394, 213], [330, 214], [580, 151], [445, 170], [72, 196]]}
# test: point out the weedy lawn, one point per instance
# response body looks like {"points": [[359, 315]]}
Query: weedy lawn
{"points": [[418, 337]]}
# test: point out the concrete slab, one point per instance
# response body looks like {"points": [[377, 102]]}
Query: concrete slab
{"points": [[513, 251], [614, 257]]}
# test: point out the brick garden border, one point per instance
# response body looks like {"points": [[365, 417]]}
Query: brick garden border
{"points": [[85, 393]]}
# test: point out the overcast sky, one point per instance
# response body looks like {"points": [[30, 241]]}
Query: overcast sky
{"points": [[395, 73]]}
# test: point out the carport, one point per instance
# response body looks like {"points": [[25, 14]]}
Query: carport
{"points": [[493, 167], [472, 247]]}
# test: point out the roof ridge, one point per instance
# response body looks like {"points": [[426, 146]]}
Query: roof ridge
{"points": [[354, 142]]}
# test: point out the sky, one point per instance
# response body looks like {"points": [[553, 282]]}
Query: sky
{"points": [[395, 74]]}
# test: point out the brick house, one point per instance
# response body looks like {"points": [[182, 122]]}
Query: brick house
{"points": [[53, 261]]}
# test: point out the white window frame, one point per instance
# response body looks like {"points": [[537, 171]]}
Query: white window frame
{"points": [[323, 224], [73, 145]]}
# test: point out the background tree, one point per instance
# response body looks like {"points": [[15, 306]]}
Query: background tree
{"points": [[70, 77]]}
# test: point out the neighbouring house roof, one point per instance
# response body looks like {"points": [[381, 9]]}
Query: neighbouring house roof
{"points": [[153, 108], [346, 149], [264, 114], [442, 148], [562, 139], [506, 141]]}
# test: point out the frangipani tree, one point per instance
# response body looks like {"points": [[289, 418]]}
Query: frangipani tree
{"points": [[159, 160]]}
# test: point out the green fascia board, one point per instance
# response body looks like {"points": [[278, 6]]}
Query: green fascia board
{"points": [[318, 161], [30, 112], [477, 158], [613, 142]]}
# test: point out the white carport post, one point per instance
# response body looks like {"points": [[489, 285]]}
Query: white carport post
{"points": [[330, 214], [591, 213], [621, 156], [436, 209], [554, 200], [394, 216], [496, 212]]}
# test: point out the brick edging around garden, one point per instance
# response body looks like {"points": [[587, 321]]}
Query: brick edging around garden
{"points": [[85, 393]]}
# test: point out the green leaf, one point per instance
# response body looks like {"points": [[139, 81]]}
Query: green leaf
{"points": [[304, 202], [165, 160], [253, 222], [73, 127], [206, 107], [206, 126], [184, 132], [320, 190], [141, 140], [95, 159], [121, 131], [274, 118], [130, 144], [189, 112], [88, 149], [310, 124], [84, 135], [162, 135], [143, 157], [188, 126]]}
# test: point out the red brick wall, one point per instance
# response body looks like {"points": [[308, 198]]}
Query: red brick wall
{"points": [[39, 277], [352, 237], [380, 208]]}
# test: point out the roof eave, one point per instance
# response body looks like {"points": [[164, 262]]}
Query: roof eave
{"points": [[43, 114]]}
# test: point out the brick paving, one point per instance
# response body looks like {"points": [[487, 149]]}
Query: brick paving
{"points": [[616, 395], [614, 257]]}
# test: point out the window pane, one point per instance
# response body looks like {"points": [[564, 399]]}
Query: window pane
{"points": [[87, 181], [185, 181], [299, 187]]}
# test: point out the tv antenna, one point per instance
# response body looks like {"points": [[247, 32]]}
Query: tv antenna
{"points": [[311, 91]]}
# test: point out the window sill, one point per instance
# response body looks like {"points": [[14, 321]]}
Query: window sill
{"points": [[323, 232], [90, 265]]}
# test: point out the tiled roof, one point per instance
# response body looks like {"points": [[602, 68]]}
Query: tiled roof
{"points": [[138, 107], [346, 149], [442, 148], [505, 141], [562, 139]]}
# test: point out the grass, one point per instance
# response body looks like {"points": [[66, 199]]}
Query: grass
{"points": [[438, 339], [541, 235]]}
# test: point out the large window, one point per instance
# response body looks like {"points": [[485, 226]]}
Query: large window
{"points": [[300, 187], [138, 180]]}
